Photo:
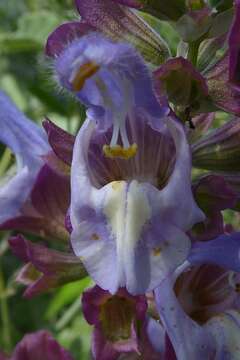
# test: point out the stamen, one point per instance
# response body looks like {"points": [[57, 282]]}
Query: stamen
{"points": [[83, 73], [119, 151], [115, 150]]}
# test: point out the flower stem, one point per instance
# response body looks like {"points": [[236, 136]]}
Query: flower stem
{"points": [[6, 331]]}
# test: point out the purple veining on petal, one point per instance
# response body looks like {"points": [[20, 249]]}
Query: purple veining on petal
{"points": [[206, 291], [166, 9], [45, 210], [181, 83], [131, 3], [219, 150], [202, 124], [213, 194], [153, 162], [222, 93], [60, 141], [121, 24], [149, 241]]}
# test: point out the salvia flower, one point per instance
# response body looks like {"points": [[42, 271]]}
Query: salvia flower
{"points": [[95, 70], [122, 195]]}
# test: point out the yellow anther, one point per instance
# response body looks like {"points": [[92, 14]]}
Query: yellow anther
{"points": [[118, 151], [95, 236], [84, 72], [157, 251]]}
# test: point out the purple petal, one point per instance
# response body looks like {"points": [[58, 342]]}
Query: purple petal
{"points": [[29, 144], [3, 356], [202, 124], [60, 141], [115, 320], [233, 180], [211, 288], [101, 349], [225, 329], [121, 83], [129, 233], [222, 251], [131, 3], [178, 189], [222, 93], [55, 268], [120, 23], [21, 135], [234, 48], [166, 10], [64, 35], [38, 346], [44, 213], [212, 193], [181, 82], [189, 340]]}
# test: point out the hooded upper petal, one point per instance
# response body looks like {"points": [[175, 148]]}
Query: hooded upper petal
{"points": [[28, 142], [95, 69]]}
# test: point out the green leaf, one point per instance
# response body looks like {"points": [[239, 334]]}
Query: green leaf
{"points": [[37, 25], [66, 295], [14, 43]]}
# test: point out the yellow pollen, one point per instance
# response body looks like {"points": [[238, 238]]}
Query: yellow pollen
{"points": [[118, 151], [157, 251], [95, 236], [84, 72]]}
